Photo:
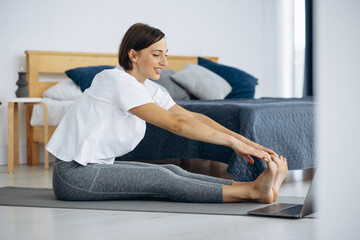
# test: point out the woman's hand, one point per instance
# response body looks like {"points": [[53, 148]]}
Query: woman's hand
{"points": [[245, 150], [257, 146]]}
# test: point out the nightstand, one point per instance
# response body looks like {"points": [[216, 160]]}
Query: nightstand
{"points": [[13, 129]]}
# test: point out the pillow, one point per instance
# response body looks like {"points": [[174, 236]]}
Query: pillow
{"points": [[64, 90], [175, 91], [202, 83], [83, 76], [243, 84]]}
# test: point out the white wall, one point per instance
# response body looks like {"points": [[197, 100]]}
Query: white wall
{"points": [[337, 51], [243, 33]]}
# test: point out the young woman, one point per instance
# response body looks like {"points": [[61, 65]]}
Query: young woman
{"points": [[109, 120]]}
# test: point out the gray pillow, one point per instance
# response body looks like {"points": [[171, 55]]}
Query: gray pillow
{"points": [[175, 91], [202, 83]]}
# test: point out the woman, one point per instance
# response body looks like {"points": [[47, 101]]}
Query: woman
{"points": [[109, 120]]}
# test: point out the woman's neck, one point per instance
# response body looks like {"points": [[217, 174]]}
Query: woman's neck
{"points": [[137, 75]]}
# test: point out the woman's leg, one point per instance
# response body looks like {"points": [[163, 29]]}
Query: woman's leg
{"points": [[180, 172], [72, 181]]}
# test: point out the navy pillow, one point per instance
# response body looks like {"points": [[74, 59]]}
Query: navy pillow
{"points": [[83, 76], [242, 83]]}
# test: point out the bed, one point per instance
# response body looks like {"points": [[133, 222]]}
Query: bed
{"points": [[284, 125]]}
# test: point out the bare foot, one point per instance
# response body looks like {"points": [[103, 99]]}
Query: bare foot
{"points": [[260, 190], [282, 170], [264, 183]]}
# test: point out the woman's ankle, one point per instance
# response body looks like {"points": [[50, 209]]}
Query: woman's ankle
{"points": [[238, 192]]}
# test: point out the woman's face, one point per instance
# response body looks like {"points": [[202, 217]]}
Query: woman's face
{"points": [[151, 60]]}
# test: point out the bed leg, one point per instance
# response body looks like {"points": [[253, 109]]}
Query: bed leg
{"points": [[32, 146], [28, 134], [34, 153]]}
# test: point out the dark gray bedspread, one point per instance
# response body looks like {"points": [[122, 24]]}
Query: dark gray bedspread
{"points": [[284, 125]]}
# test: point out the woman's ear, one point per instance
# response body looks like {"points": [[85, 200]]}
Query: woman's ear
{"points": [[132, 55]]}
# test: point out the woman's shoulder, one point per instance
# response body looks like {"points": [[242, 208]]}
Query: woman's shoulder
{"points": [[113, 73], [116, 76]]}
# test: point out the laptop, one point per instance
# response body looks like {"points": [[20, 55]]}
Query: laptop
{"points": [[287, 210]]}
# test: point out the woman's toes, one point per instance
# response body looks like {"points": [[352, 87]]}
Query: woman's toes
{"points": [[272, 165], [275, 159]]}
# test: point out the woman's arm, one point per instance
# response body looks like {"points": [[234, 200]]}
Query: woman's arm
{"points": [[189, 127], [211, 123]]}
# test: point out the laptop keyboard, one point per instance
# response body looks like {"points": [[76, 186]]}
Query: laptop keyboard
{"points": [[292, 210]]}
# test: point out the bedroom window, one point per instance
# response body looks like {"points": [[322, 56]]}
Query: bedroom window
{"points": [[299, 47]]}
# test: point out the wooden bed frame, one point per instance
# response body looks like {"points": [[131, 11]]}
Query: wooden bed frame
{"points": [[58, 62]]}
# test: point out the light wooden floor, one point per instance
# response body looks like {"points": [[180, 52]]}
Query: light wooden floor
{"points": [[47, 223]]}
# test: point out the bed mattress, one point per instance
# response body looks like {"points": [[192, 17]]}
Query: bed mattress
{"points": [[56, 110]]}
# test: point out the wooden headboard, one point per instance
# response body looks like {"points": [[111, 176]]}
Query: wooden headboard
{"points": [[58, 62]]}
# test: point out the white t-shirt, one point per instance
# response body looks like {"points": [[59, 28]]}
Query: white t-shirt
{"points": [[98, 127]]}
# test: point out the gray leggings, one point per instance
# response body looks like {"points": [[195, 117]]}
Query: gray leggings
{"points": [[131, 180]]}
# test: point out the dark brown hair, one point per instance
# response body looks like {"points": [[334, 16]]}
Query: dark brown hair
{"points": [[137, 37]]}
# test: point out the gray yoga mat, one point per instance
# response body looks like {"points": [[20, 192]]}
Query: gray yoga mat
{"points": [[44, 197]]}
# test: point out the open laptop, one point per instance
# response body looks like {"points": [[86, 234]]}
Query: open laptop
{"points": [[288, 210]]}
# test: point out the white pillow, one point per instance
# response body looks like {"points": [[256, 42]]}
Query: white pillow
{"points": [[64, 90], [202, 83]]}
